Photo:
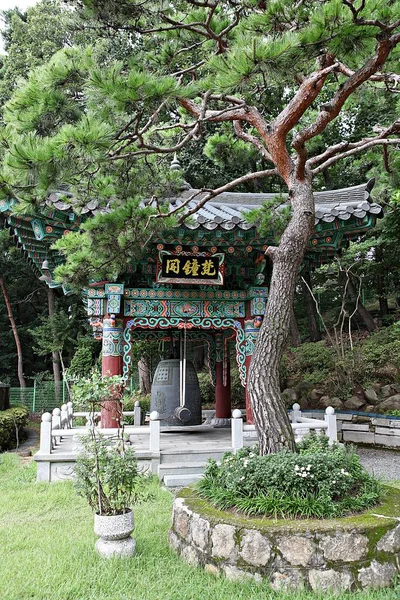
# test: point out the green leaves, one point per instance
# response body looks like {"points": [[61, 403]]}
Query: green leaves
{"points": [[321, 481]]}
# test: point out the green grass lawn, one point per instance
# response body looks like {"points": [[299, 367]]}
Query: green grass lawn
{"points": [[47, 551]]}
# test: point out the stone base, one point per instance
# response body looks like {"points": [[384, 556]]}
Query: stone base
{"points": [[218, 423], [116, 548], [332, 555]]}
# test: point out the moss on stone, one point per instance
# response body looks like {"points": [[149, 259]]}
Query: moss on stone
{"points": [[366, 522]]}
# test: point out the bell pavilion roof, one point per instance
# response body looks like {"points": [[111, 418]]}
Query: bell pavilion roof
{"points": [[340, 215]]}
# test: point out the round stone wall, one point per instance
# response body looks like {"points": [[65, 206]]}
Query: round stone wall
{"points": [[340, 554]]}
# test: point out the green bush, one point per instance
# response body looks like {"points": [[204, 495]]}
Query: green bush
{"points": [[207, 390], [12, 422], [128, 403], [319, 481]]}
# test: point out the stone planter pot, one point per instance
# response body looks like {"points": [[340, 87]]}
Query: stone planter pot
{"points": [[114, 532]]}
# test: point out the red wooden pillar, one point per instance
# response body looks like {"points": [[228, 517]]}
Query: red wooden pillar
{"points": [[111, 365], [222, 389]]}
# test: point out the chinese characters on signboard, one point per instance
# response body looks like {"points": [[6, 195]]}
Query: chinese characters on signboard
{"points": [[189, 268]]}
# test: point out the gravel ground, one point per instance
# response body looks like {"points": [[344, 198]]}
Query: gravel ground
{"points": [[384, 464]]}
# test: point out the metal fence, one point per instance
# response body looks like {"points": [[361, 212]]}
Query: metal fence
{"points": [[45, 395], [41, 397]]}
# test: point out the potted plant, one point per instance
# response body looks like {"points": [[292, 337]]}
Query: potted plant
{"points": [[106, 474]]}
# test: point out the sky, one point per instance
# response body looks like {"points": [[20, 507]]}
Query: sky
{"points": [[6, 4]]}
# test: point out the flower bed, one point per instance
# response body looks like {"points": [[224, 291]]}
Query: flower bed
{"points": [[319, 481]]}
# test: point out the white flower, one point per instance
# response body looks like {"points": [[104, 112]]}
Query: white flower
{"points": [[296, 467], [308, 467], [304, 474]]}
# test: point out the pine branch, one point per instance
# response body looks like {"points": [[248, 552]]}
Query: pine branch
{"points": [[209, 194], [251, 139], [352, 152], [330, 111]]}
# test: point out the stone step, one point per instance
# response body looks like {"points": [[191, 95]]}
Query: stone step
{"points": [[180, 468], [193, 455], [171, 481]]}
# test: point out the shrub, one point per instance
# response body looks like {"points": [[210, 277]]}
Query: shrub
{"points": [[12, 422], [318, 481], [128, 403], [207, 390], [106, 474]]}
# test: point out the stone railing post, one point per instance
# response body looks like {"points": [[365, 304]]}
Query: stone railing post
{"points": [[331, 430], [137, 417], [56, 420], [154, 432], [45, 433], [296, 412], [64, 416], [237, 430]]}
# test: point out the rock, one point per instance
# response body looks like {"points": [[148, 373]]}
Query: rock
{"points": [[392, 403], [388, 390], [200, 529], [316, 394], [330, 580], [345, 547], [354, 403], [296, 550], [223, 541], [189, 555], [212, 569], [370, 408], [326, 401], [287, 581], [173, 540], [377, 575], [371, 396], [255, 548], [181, 521], [390, 542], [377, 387], [235, 574]]}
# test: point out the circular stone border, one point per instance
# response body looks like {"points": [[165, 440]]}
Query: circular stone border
{"points": [[354, 552]]}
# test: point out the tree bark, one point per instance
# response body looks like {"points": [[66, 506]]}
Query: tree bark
{"points": [[362, 311], [312, 316], [270, 416], [55, 357], [144, 376], [21, 377]]}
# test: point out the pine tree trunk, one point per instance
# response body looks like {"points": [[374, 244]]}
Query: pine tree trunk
{"points": [[312, 316], [144, 376], [21, 377], [54, 355], [270, 416]]}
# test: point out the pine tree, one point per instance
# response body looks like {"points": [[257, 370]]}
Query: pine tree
{"points": [[279, 75]]}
